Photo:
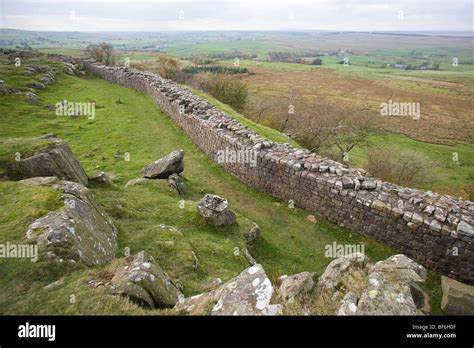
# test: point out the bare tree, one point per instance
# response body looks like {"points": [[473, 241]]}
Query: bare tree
{"points": [[258, 107], [101, 52], [320, 126]]}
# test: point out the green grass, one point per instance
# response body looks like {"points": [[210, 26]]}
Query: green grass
{"points": [[258, 47], [451, 176], [136, 128]]}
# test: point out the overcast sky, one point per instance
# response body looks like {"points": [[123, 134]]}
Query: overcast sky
{"points": [[158, 15]]}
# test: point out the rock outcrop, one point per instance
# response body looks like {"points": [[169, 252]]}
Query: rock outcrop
{"points": [[351, 286], [247, 294], [79, 232], [45, 156], [216, 211], [394, 288], [172, 163], [458, 298], [340, 274], [143, 281]]}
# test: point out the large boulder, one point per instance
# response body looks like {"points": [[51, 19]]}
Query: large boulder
{"points": [[394, 288], [351, 286], [164, 167], [79, 232], [216, 211], [144, 282], [42, 156], [458, 298], [247, 294]]}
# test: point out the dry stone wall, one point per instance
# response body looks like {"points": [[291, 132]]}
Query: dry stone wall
{"points": [[436, 230]]}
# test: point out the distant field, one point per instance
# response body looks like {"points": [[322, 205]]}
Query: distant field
{"points": [[446, 95], [257, 47]]}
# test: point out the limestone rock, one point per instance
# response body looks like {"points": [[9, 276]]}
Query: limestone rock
{"points": [[386, 298], [135, 182], [247, 294], [348, 304], [101, 178], [36, 85], [465, 229], [81, 231], [143, 281], [55, 285], [339, 274], [32, 96], [6, 89], [249, 257], [69, 68], [50, 157], [211, 285], [216, 210], [297, 285], [394, 288], [458, 298], [164, 167], [252, 235], [176, 182]]}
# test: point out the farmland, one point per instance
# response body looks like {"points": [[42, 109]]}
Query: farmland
{"points": [[446, 126]]}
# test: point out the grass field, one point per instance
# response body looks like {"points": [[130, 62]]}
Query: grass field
{"points": [[289, 244]]}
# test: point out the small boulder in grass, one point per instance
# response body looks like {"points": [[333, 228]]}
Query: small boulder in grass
{"points": [[176, 181], [216, 210], [101, 178], [252, 235]]}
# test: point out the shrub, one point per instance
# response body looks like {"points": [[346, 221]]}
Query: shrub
{"points": [[229, 90], [399, 166], [168, 68]]}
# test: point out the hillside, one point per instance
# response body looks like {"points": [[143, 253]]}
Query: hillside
{"points": [[128, 125]]}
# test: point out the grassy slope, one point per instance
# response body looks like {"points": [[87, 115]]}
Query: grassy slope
{"points": [[289, 243]]}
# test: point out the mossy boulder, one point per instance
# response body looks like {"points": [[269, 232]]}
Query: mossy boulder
{"points": [[22, 158], [79, 232], [143, 281]]}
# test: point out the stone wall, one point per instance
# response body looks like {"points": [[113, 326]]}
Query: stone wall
{"points": [[436, 230]]}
